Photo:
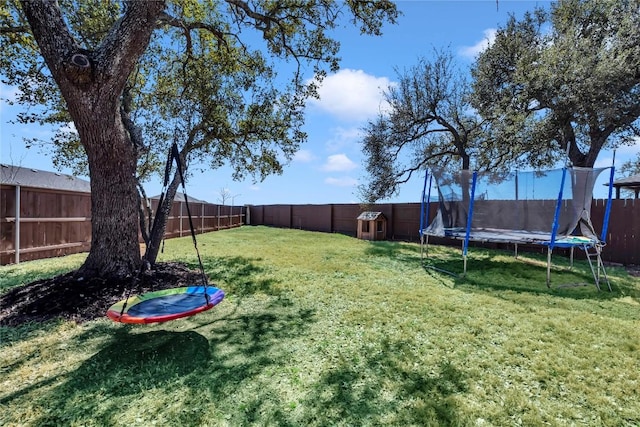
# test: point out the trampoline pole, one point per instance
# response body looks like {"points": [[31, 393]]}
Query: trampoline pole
{"points": [[426, 245], [422, 203], [425, 212], [464, 263], [571, 258], [549, 267], [465, 244], [607, 212]]}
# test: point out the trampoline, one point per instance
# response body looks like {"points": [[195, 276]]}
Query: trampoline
{"points": [[549, 208], [165, 305]]}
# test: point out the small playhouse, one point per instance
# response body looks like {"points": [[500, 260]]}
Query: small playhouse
{"points": [[372, 226]]}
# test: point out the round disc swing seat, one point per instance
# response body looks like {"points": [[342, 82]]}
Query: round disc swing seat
{"points": [[165, 305], [169, 304]]}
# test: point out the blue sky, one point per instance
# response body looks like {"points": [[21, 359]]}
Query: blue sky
{"points": [[330, 165]]}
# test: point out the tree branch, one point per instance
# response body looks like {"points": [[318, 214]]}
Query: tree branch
{"points": [[127, 39], [14, 30], [51, 33], [186, 27]]}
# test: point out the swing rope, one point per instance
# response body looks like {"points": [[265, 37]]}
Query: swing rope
{"points": [[174, 154]]}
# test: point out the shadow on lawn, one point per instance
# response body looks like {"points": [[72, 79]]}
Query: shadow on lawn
{"points": [[386, 387], [175, 371], [179, 370], [487, 273], [129, 364], [397, 251], [237, 275]]}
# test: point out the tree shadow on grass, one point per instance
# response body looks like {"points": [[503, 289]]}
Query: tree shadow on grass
{"points": [[238, 275], [397, 251], [386, 387], [485, 272], [177, 371], [175, 368], [120, 370]]}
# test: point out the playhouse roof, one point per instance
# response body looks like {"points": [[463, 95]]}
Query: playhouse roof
{"points": [[370, 216]]}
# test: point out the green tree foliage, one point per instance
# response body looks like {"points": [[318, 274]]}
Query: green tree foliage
{"points": [[563, 81], [631, 167], [132, 76], [627, 169]]}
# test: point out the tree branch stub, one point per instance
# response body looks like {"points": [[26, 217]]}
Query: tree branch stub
{"points": [[79, 69]]}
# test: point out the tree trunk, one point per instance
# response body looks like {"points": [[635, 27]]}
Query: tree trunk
{"points": [[92, 84], [160, 222], [115, 250]]}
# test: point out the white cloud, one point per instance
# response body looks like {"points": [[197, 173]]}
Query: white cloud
{"points": [[351, 95], [632, 148], [303, 156], [254, 188], [603, 162], [623, 153], [338, 163], [343, 137], [472, 51], [8, 93], [345, 181]]}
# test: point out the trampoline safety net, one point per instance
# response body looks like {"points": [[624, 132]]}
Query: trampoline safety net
{"points": [[550, 208], [516, 206]]}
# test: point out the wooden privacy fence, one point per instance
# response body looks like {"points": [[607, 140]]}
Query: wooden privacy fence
{"points": [[403, 223], [206, 217], [41, 223], [38, 223]]}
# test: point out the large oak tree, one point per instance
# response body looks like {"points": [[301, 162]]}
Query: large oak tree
{"points": [[565, 80], [429, 121], [97, 71]]}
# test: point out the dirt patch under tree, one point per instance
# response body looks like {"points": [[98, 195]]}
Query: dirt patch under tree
{"points": [[79, 299]]}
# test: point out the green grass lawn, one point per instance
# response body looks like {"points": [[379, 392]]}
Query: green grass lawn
{"points": [[323, 329]]}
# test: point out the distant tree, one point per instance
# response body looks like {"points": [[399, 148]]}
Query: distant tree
{"points": [[224, 195], [563, 81], [89, 61], [631, 167], [627, 169], [429, 121]]}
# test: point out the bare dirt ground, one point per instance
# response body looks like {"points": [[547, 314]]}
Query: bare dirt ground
{"points": [[79, 299]]}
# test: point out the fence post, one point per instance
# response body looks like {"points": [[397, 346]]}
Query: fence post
{"points": [[331, 224], [17, 226], [180, 216]]}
